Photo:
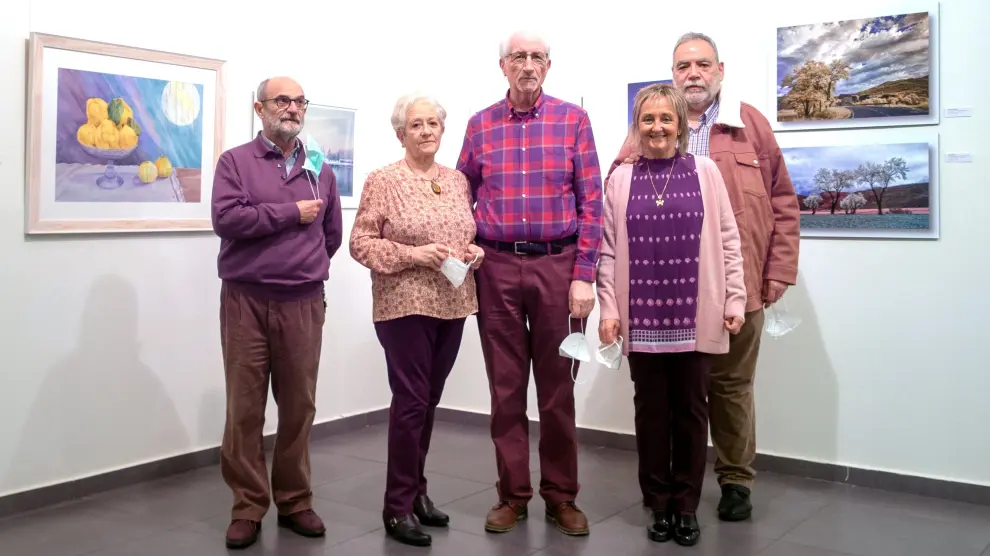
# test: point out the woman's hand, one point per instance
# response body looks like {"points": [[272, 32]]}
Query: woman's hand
{"points": [[472, 251], [430, 256], [734, 324], [608, 331]]}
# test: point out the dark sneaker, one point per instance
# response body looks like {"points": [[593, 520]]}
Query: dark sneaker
{"points": [[305, 523], [242, 533], [735, 504]]}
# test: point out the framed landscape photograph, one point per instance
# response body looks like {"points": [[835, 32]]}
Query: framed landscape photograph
{"points": [[634, 88], [863, 187], [333, 129], [120, 139], [863, 72]]}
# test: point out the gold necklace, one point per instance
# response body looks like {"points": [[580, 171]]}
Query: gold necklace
{"points": [[434, 181], [660, 195]]}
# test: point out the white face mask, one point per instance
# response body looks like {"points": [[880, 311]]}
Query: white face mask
{"points": [[610, 355], [455, 269], [575, 347], [779, 323]]}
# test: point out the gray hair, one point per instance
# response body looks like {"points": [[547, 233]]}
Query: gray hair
{"points": [[503, 47], [686, 37], [261, 90], [406, 102]]}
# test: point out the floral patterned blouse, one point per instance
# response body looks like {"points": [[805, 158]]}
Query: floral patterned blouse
{"points": [[399, 211]]}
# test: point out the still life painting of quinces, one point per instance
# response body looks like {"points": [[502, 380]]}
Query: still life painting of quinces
{"points": [[122, 139]]}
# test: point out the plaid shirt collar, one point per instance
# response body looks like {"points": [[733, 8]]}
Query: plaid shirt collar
{"points": [[533, 112]]}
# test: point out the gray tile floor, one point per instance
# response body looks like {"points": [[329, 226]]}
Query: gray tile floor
{"points": [[186, 515]]}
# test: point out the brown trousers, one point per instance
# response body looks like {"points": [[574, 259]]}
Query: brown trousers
{"points": [[732, 407], [523, 318], [671, 427], [281, 342]]}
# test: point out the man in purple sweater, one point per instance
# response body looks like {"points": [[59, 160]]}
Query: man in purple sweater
{"points": [[277, 211]]}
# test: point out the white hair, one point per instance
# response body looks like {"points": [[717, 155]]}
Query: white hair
{"points": [[505, 45], [261, 90], [686, 37], [406, 102]]}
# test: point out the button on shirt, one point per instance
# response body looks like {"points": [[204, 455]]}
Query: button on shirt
{"points": [[535, 176], [698, 139], [290, 161]]}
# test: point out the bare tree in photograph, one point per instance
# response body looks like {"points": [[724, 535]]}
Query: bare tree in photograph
{"points": [[834, 182], [887, 172]]}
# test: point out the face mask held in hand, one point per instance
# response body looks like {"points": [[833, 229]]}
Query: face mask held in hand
{"points": [[610, 355], [780, 322], [314, 157], [575, 347], [455, 269]]}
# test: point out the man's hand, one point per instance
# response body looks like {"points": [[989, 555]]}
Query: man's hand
{"points": [[472, 251], [734, 324], [772, 292], [608, 331], [308, 210], [581, 299]]}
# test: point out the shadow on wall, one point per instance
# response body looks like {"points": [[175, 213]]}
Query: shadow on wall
{"points": [[67, 434], [797, 405]]}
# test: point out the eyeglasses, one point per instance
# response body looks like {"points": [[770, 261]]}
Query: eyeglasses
{"points": [[282, 102], [519, 58]]}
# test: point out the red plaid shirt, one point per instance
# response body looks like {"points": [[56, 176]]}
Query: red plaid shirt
{"points": [[535, 176]]}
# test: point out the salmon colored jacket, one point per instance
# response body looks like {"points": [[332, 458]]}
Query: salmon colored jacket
{"points": [[766, 208], [721, 288]]}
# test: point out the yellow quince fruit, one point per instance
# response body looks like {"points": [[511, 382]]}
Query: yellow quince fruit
{"points": [[110, 135], [96, 111], [147, 172], [127, 137], [87, 134], [164, 166]]}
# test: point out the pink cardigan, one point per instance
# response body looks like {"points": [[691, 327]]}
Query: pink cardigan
{"points": [[721, 291]]}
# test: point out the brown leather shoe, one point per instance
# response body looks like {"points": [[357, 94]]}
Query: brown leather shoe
{"points": [[568, 518], [305, 523], [242, 533], [504, 516]]}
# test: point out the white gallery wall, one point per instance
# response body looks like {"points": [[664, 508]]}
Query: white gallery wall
{"points": [[110, 344]]}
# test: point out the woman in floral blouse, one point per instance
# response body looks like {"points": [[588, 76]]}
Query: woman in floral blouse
{"points": [[414, 215]]}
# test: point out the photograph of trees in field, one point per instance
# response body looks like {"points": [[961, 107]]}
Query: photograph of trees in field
{"points": [[873, 189], [861, 68]]}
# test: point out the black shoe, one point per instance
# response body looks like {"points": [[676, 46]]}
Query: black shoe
{"points": [[735, 504], [662, 529], [686, 530], [406, 530], [428, 514]]}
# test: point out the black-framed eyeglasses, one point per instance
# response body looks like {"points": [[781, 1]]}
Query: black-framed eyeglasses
{"points": [[283, 101]]}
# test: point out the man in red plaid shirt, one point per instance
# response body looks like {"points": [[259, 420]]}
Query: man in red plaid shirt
{"points": [[533, 168]]}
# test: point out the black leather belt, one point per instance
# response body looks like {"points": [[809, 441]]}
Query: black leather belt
{"points": [[529, 247]]}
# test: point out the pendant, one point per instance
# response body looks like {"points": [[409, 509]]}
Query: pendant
{"points": [[659, 202], [435, 186]]}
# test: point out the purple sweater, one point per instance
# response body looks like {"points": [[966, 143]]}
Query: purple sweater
{"points": [[264, 250]]}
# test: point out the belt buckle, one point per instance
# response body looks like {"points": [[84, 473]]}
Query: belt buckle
{"points": [[515, 247]]}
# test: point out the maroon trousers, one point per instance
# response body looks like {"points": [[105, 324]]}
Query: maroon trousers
{"points": [[420, 351], [670, 396], [523, 317], [266, 341]]}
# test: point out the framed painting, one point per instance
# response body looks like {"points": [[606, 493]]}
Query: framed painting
{"points": [[633, 88], [876, 71], [873, 184], [120, 139], [332, 128]]}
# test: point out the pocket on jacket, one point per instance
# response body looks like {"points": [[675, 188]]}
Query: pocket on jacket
{"points": [[749, 175]]}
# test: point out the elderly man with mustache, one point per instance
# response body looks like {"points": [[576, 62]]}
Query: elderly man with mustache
{"points": [[277, 211], [740, 141]]}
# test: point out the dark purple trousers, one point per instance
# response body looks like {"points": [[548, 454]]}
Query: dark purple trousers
{"points": [[670, 396], [523, 317], [420, 351]]}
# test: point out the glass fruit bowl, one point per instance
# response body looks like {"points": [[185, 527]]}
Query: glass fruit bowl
{"points": [[110, 179]]}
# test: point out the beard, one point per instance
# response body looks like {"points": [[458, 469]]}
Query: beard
{"points": [[285, 129]]}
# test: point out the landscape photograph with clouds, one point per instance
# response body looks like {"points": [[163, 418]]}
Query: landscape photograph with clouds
{"points": [[871, 189], [860, 68]]}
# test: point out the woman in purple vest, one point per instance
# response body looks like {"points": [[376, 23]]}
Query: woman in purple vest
{"points": [[671, 291]]}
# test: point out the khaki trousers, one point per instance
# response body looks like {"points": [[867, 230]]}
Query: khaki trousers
{"points": [[731, 405], [280, 342]]}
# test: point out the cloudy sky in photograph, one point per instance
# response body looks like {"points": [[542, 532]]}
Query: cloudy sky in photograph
{"points": [[877, 49], [803, 162]]}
